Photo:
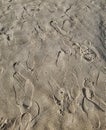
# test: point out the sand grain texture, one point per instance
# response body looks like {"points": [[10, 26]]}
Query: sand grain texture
{"points": [[52, 64]]}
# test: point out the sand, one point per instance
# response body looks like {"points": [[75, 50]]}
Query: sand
{"points": [[52, 64]]}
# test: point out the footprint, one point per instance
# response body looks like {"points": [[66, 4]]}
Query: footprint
{"points": [[72, 107], [90, 96], [23, 89], [75, 88], [55, 26], [89, 91], [87, 106], [59, 97], [88, 83], [76, 49], [18, 87], [25, 119], [94, 119], [29, 88], [30, 61], [101, 104], [68, 25], [87, 54], [19, 79], [35, 112], [60, 60], [68, 121]]}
